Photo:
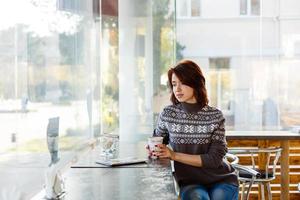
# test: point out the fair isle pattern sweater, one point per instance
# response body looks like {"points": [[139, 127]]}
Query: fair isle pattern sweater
{"points": [[191, 130]]}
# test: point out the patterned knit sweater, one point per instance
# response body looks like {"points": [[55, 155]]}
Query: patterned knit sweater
{"points": [[192, 130]]}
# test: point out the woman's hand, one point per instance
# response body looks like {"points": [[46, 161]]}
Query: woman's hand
{"points": [[164, 152], [148, 150]]}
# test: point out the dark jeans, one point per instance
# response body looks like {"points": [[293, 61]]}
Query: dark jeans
{"points": [[220, 191]]}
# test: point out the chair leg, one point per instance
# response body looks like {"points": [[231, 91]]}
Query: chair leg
{"points": [[243, 191], [269, 191], [262, 192], [249, 189]]}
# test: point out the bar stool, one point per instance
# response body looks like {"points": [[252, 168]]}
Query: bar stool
{"points": [[252, 175]]}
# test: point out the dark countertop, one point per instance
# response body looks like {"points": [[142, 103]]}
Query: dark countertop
{"points": [[120, 183], [91, 181], [86, 180]]}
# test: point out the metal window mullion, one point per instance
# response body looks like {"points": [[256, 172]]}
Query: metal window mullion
{"points": [[249, 7]]}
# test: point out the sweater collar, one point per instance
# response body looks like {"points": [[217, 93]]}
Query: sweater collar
{"points": [[190, 107]]}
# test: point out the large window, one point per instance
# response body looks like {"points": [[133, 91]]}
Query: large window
{"points": [[146, 50], [48, 69], [188, 8], [103, 70], [249, 64], [100, 70]]}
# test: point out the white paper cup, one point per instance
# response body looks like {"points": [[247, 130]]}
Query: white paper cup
{"points": [[152, 141]]}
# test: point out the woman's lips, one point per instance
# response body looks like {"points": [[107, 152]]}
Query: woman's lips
{"points": [[179, 95]]}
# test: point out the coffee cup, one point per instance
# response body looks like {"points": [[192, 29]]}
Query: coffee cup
{"points": [[152, 142]]}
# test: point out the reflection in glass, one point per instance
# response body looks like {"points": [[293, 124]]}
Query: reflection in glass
{"points": [[182, 8], [52, 139], [146, 50], [109, 144], [49, 67], [243, 7], [195, 8], [255, 7]]}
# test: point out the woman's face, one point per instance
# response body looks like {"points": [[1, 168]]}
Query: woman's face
{"points": [[183, 93]]}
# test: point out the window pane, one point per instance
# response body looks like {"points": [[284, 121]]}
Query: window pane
{"points": [[146, 50], [48, 69], [243, 7], [226, 90], [182, 8], [109, 73], [220, 83], [256, 90], [255, 7], [195, 8], [213, 84], [219, 63]]}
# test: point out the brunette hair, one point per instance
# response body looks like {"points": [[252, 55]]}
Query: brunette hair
{"points": [[190, 74]]}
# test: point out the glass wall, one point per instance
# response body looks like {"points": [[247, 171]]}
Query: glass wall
{"points": [[48, 68], [249, 52], [99, 66], [138, 48]]}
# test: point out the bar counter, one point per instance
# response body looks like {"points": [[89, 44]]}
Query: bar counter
{"points": [[91, 181], [284, 137], [119, 183]]}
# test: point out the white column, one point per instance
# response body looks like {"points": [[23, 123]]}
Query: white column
{"points": [[135, 100], [149, 67], [128, 95]]}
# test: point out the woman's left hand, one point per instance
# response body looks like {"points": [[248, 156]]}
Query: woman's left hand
{"points": [[164, 152]]}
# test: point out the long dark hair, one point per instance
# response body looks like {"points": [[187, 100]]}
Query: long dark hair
{"points": [[190, 74]]}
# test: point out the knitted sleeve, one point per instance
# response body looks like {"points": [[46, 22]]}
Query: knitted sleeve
{"points": [[218, 146], [161, 128]]}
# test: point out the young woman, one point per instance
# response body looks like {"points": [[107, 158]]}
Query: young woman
{"points": [[196, 133]]}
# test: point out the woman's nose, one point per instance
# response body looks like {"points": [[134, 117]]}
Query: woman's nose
{"points": [[178, 88]]}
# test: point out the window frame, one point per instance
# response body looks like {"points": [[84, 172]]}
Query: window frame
{"points": [[249, 11]]}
